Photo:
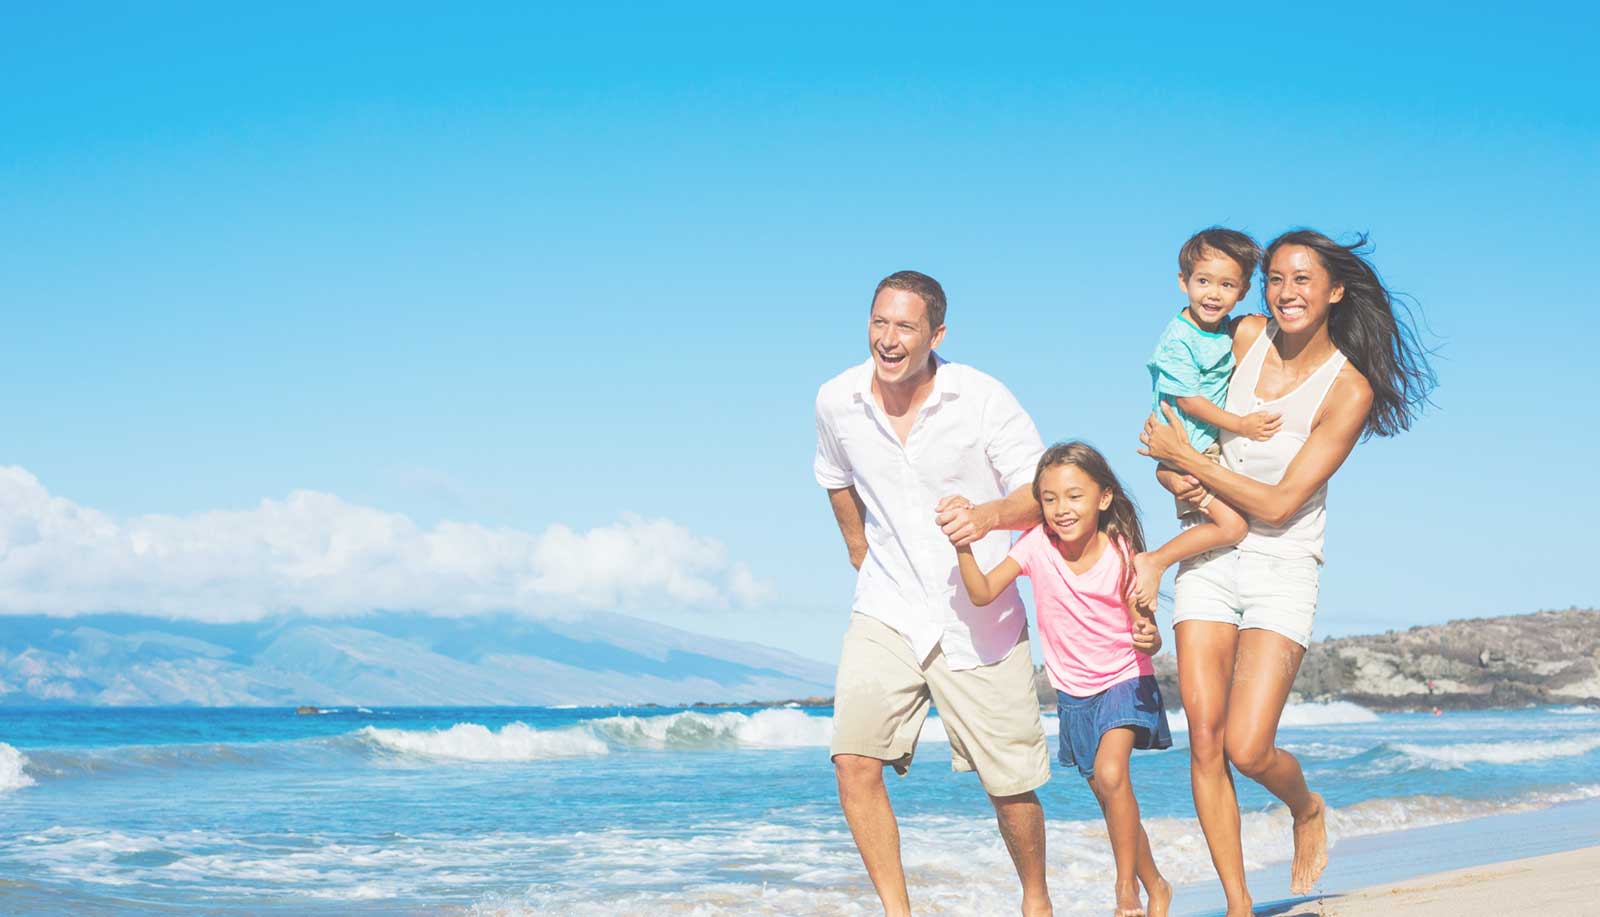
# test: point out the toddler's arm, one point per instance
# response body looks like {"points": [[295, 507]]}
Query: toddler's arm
{"points": [[1259, 426], [983, 587]]}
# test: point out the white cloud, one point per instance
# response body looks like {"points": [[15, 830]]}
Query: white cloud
{"points": [[317, 554]]}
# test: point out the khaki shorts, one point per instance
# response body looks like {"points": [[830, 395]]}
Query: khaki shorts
{"points": [[991, 713], [1188, 507]]}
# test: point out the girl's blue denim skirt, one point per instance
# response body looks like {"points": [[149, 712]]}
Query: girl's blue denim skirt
{"points": [[1135, 703]]}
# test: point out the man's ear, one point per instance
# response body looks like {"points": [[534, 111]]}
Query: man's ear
{"points": [[938, 337]]}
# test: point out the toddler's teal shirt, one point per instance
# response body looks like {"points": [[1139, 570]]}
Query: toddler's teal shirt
{"points": [[1188, 362]]}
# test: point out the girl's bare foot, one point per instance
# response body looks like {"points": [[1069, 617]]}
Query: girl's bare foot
{"points": [[1310, 847], [1160, 898]]}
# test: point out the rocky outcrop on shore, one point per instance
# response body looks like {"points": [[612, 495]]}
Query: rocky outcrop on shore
{"points": [[1548, 657]]}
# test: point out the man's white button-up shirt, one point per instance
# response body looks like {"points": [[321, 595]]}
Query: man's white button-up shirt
{"points": [[970, 437]]}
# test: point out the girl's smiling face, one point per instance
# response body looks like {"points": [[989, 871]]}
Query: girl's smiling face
{"points": [[1072, 502]]}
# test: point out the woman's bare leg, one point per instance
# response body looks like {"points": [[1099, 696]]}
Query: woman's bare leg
{"points": [[1206, 651], [1263, 674]]}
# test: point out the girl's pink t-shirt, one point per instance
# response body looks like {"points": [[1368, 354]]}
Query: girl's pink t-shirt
{"points": [[1088, 643]]}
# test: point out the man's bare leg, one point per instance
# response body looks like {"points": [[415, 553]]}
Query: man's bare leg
{"points": [[1021, 821], [865, 801], [1262, 676]]}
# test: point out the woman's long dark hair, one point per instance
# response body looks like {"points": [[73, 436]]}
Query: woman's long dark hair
{"points": [[1120, 521], [1378, 338]]}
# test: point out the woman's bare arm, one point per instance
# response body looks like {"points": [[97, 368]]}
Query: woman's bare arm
{"points": [[1335, 432]]}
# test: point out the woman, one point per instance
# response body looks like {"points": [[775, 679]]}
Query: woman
{"points": [[1338, 364]]}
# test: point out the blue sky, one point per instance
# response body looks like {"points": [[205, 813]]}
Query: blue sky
{"points": [[529, 268]]}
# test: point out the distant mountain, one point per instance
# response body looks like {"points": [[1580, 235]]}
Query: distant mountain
{"points": [[387, 658]]}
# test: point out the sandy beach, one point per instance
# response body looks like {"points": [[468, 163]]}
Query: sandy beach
{"points": [[1555, 884]]}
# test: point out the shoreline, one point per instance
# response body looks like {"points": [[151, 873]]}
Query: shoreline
{"points": [[1465, 868], [1555, 884]]}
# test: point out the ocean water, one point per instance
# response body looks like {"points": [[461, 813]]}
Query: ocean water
{"points": [[652, 810]]}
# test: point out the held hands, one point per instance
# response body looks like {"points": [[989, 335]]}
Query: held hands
{"points": [[1146, 635], [1147, 573], [1260, 426], [963, 521]]}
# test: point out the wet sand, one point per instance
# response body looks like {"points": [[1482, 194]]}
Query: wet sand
{"points": [[1555, 885]]}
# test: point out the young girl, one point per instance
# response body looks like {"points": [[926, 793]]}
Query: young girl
{"points": [[1080, 562]]}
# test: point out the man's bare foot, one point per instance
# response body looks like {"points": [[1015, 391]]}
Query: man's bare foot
{"points": [[1128, 900], [1040, 907], [1310, 847], [1160, 898], [1146, 578]]}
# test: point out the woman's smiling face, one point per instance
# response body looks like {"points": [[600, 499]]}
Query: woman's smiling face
{"points": [[1299, 289]]}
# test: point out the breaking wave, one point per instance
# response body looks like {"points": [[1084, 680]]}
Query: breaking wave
{"points": [[12, 776], [1512, 752], [775, 728]]}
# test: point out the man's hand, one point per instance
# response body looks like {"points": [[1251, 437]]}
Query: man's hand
{"points": [[1260, 426], [962, 521], [1146, 635]]}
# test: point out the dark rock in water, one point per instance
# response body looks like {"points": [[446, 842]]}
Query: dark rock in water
{"points": [[306, 710]]}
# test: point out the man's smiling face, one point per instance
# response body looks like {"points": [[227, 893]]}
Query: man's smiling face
{"points": [[900, 336]]}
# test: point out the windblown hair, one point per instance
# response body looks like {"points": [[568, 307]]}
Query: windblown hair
{"points": [[1120, 521], [921, 284], [1230, 243], [1373, 329]]}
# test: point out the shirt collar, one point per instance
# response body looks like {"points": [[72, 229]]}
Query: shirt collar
{"points": [[945, 384]]}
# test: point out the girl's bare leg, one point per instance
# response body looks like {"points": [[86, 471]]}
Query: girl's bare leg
{"points": [[1206, 651], [1263, 674], [1130, 847]]}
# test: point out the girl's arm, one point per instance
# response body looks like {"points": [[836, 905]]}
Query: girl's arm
{"points": [[1333, 435], [983, 587]]}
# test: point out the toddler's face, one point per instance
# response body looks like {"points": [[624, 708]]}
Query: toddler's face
{"points": [[1214, 286]]}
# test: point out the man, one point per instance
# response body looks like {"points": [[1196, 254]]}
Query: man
{"points": [[897, 438]]}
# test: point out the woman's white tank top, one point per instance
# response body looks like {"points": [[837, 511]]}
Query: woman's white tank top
{"points": [[1266, 461]]}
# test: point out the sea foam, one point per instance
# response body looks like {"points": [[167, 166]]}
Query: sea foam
{"points": [[956, 863], [12, 763], [1511, 752], [690, 730]]}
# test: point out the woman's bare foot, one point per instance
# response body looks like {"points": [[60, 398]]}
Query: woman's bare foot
{"points": [[1160, 898], [1310, 847], [1128, 900]]}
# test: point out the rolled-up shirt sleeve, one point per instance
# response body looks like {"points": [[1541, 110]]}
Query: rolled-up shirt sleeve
{"points": [[831, 466], [1014, 445]]}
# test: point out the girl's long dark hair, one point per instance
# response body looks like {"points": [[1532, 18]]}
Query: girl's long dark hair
{"points": [[1378, 338], [1120, 521]]}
